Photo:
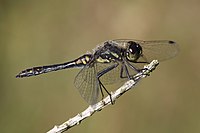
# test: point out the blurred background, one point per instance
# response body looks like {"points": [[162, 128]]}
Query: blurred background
{"points": [[41, 32]]}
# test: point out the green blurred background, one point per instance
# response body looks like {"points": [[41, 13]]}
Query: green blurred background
{"points": [[41, 32]]}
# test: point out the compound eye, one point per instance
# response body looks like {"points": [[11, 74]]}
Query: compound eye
{"points": [[134, 51], [134, 48]]}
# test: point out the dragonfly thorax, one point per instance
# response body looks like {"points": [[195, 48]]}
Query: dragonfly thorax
{"points": [[108, 53]]}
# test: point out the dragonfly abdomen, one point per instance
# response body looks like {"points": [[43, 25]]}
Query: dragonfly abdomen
{"points": [[43, 69], [80, 62]]}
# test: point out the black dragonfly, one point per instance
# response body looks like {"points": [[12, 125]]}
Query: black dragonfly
{"points": [[110, 62]]}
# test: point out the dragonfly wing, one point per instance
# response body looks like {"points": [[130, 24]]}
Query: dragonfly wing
{"points": [[111, 77], [87, 85], [154, 50], [158, 50]]}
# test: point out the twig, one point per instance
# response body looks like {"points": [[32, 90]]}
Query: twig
{"points": [[106, 101]]}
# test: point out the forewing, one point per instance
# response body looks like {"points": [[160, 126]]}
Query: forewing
{"points": [[154, 50], [158, 50]]}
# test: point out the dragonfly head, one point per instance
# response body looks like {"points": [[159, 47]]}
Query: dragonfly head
{"points": [[133, 51]]}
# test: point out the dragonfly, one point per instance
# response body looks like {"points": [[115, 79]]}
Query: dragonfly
{"points": [[110, 62]]}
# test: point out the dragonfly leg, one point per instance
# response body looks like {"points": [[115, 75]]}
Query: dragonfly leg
{"points": [[126, 71], [124, 68], [137, 70], [101, 86]]}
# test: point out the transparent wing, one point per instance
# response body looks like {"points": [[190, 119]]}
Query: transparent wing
{"points": [[155, 50], [87, 85], [159, 50], [113, 76]]}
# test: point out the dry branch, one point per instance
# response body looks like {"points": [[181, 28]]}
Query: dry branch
{"points": [[106, 101]]}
